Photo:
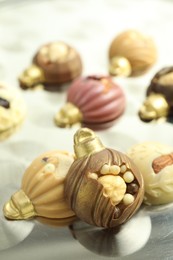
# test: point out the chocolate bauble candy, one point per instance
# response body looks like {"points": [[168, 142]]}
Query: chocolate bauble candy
{"points": [[131, 53], [42, 189], [103, 186], [12, 111], [54, 64], [93, 101], [159, 96], [155, 162]]}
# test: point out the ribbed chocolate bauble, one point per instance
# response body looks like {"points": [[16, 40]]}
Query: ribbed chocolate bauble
{"points": [[94, 101], [42, 189]]}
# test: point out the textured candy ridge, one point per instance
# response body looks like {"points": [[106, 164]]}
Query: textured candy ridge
{"points": [[99, 99]]}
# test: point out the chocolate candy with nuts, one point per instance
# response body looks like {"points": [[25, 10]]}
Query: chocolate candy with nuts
{"points": [[103, 186], [159, 100], [54, 64], [131, 53], [94, 101], [155, 161]]}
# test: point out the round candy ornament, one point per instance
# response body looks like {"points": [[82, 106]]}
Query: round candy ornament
{"points": [[103, 186], [12, 111], [131, 53], [42, 189], [159, 100], [94, 101], [54, 64], [155, 161]]}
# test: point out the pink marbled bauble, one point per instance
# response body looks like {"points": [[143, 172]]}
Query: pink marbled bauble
{"points": [[100, 100]]}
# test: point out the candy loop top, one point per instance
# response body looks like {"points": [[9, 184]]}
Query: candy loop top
{"points": [[86, 143]]}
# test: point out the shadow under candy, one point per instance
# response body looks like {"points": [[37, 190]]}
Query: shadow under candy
{"points": [[56, 222], [120, 241]]}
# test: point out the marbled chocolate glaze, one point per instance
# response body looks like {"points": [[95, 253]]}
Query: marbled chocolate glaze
{"points": [[85, 195], [62, 71]]}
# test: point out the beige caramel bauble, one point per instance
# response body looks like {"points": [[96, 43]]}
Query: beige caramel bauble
{"points": [[138, 49], [155, 162], [42, 189]]}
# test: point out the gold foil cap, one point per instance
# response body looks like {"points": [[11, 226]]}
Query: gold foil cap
{"points": [[120, 66], [68, 115], [86, 143], [32, 76], [154, 107], [19, 207]]}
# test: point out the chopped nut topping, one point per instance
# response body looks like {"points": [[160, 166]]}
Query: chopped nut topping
{"points": [[4, 103], [45, 159], [161, 162]]}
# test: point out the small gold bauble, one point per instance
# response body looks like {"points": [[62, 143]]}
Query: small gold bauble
{"points": [[68, 115]]}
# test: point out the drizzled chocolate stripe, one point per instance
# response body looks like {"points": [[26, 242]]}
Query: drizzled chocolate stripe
{"points": [[78, 183]]}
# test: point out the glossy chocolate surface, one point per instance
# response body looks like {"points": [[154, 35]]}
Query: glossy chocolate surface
{"points": [[87, 196], [60, 63], [100, 100]]}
